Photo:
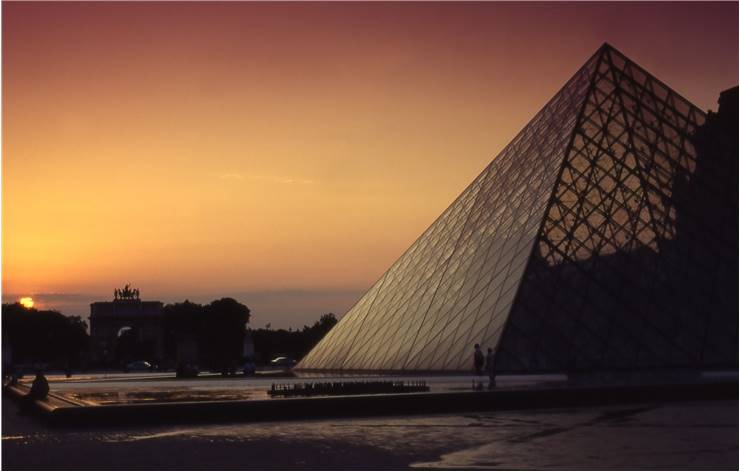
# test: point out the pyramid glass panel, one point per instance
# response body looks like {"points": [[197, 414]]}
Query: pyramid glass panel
{"points": [[581, 246]]}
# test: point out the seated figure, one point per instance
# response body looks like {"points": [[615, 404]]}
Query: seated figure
{"points": [[39, 387]]}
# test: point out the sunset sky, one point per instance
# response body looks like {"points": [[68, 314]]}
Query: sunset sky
{"points": [[284, 154]]}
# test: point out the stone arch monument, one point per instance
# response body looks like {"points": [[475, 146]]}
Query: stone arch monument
{"points": [[145, 318]]}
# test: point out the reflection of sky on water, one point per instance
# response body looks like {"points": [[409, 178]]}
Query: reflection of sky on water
{"points": [[664, 436], [695, 435], [94, 389], [672, 436], [105, 389]]}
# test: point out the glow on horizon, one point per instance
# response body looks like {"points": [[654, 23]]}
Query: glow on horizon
{"points": [[26, 302], [285, 145]]}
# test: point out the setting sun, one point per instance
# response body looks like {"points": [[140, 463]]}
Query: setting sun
{"points": [[26, 302]]}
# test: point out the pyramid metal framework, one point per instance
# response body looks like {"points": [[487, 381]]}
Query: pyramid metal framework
{"points": [[573, 250]]}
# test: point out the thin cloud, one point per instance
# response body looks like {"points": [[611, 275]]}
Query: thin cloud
{"points": [[281, 179], [231, 176], [267, 178], [49, 297]]}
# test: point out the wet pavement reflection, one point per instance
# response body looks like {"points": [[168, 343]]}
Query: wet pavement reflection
{"points": [[688, 435], [106, 389]]}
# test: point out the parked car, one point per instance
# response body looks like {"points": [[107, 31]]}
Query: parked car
{"points": [[282, 361], [229, 370], [139, 366]]}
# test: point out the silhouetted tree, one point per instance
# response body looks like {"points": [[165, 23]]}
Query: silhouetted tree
{"points": [[223, 330], [181, 320], [270, 343], [218, 327], [43, 336], [312, 335]]}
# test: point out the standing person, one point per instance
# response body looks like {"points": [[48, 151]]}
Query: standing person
{"points": [[490, 361], [478, 360]]}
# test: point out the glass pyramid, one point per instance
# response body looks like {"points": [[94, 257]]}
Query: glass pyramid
{"points": [[579, 247]]}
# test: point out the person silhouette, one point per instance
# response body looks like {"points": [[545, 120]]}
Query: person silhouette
{"points": [[490, 361], [39, 387], [478, 360]]}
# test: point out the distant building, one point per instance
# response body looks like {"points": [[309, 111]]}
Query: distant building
{"points": [[126, 328]]}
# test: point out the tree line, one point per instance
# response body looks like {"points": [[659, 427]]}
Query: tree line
{"points": [[43, 336], [218, 329], [269, 343]]}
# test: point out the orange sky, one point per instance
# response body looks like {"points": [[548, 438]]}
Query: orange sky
{"points": [[284, 154]]}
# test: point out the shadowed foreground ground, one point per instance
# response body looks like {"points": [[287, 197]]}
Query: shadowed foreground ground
{"points": [[690, 435]]}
